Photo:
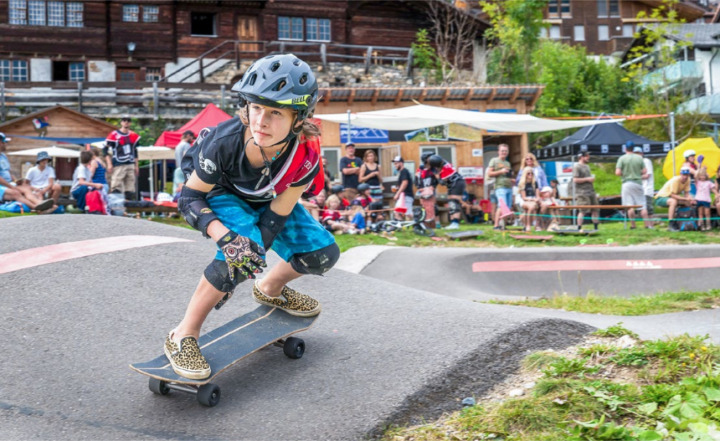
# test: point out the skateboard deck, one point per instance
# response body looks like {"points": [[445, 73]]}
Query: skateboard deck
{"points": [[573, 231], [227, 345], [531, 237], [464, 234]]}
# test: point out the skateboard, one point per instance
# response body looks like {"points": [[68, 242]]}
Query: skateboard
{"points": [[460, 235], [531, 237], [573, 231], [227, 345]]}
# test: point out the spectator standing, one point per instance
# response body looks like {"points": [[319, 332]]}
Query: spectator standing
{"points": [[405, 187], [716, 190], [540, 177], [631, 168], [8, 192], [427, 182], [370, 175], [350, 169], [82, 180], [501, 170], [121, 156], [529, 193], [183, 146], [42, 178], [675, 192], [703, 189], [648, 184], [585, 194]]}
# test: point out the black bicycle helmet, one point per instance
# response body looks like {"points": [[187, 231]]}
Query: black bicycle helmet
{"points": [[362, 187], [424, 157], [436, 161], [282, 81], [335, 189]]}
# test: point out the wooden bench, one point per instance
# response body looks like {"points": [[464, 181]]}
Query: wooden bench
{"points": [[596, 207]]}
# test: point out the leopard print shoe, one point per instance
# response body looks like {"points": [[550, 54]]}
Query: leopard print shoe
{"points": [[290, 301], [187, 360]]}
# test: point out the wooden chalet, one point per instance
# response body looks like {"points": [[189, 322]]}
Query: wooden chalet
{"points": [[63, 123]]}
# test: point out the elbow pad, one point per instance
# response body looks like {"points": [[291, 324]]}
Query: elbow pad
{"points": [[195, 209], [270, 224]]}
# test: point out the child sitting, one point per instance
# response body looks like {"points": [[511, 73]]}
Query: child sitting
{"points": [[332, 218], [82, 180], [315, 205], [357, 218], [547, 216]]}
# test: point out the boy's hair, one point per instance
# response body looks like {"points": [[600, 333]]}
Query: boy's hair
{"points": [[85, 157]]}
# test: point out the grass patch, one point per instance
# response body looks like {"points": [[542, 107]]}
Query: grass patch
{"points": [[631, 306], [599, 397]]}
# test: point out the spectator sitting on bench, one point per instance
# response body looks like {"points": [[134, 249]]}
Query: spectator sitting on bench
{"points": [[547, 216], [82, 180], [8, 190], [675, 192], [528, 192], [42, 178]]}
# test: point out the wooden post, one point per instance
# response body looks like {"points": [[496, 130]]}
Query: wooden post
{"points": [[202, 69], [2, 101], [323, 55], [80, 96], [156, 101], [409, 63], [237, 54], [368, 59], [222, 96]]}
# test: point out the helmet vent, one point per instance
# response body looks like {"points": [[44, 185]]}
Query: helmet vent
{"points": [[252, 79], [275, 66], [296, 62], [279, 86], [303, 79]]}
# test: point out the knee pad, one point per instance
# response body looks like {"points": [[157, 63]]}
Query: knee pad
{"points": [[217, 274], [316, 262], [454, 207]]}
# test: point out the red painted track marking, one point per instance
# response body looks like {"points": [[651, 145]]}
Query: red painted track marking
{"points": [[72, 250], [595, 265]]}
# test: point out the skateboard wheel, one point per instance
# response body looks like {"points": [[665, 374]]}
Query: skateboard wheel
{"points": [[208, 394], [294, 347], [158, 386]]}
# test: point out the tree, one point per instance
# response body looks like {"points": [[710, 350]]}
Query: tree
{"points": [[657, 92], [424, 55], [515, 32], [454, 32]]}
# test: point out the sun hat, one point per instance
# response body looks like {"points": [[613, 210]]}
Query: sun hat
{"points": [[41, 156], [546, 189], [637, 149]]}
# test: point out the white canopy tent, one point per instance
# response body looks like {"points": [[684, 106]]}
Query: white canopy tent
{"points": [[54, 152], [421, 116]]}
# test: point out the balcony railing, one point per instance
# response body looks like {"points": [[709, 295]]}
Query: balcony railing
{"points": [[684, 74]]}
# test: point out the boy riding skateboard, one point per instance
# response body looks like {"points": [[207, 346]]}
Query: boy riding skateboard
{"points": [[246, 177]]}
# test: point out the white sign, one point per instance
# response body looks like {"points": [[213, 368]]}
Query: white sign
{"points": [[471, 172], [477, 153]]}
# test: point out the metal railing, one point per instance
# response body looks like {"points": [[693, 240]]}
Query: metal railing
{"points": [[311, 51]]}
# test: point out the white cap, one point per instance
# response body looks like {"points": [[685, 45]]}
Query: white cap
{"points": [[689, 153]]}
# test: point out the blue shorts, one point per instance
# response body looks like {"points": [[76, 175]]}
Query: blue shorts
{"points": [[505, 194], [301, 234], [2, 192], [703, 204]]}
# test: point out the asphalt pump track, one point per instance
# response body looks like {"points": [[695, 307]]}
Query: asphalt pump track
{"points": [[84, 296]]}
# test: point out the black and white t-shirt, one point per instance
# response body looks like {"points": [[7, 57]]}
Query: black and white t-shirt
{"points": [[218, 157]]}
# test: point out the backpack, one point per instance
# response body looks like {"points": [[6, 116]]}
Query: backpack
{"points": [[686, 219], [94, 203]]}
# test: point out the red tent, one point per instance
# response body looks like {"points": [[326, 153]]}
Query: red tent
{"points": [[210, 116]]}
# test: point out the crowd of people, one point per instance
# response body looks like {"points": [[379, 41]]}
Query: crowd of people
{"points": [[526, 198]]}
